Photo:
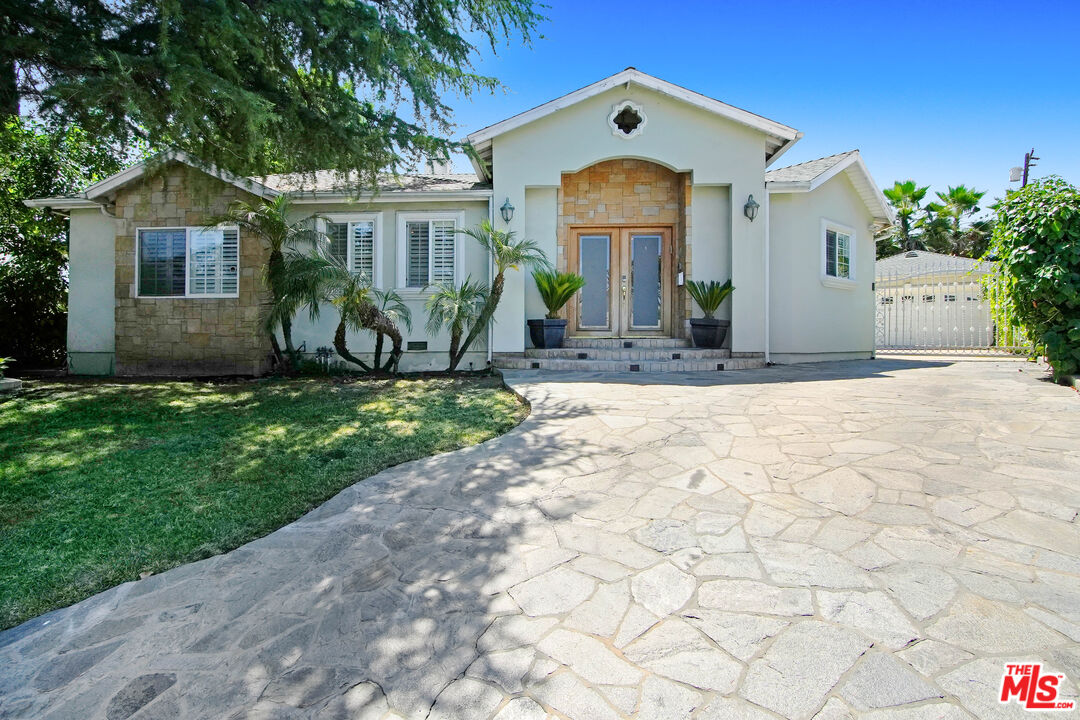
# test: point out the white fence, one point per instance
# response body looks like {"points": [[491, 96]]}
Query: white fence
{"points": [[936, 303]]}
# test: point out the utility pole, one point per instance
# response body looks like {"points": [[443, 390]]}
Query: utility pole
{"points": [[1029, 159]]}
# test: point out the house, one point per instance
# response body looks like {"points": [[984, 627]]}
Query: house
{"points": [[929, 300], [632, 181]]}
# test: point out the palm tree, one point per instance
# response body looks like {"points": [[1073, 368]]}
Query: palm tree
{"points": [[456, 308], [269, 220], [354, 298], [906, 199], [507, 253], [394, 308], [959, 202]]}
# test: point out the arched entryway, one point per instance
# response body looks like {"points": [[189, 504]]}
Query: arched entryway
{"points": [[624, 225]]}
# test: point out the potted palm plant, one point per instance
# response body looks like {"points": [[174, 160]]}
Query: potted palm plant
{"points": [[556, 289], [709, 331]]}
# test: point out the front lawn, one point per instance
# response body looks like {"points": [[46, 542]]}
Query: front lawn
{"points": [[102, 481]]}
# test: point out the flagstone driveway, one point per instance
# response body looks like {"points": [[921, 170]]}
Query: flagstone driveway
{"points": [[863, 539]]}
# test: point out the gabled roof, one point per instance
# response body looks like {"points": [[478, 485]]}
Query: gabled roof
{"points": [[812, 174], [916, 263], [93, 195], [780, 137]]}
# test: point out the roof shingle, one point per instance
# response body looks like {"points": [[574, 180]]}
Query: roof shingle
{"points": [[806, 171]]}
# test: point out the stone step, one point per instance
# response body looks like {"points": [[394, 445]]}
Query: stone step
{"points": [[645, 354], [621, 343], [517, 361]]}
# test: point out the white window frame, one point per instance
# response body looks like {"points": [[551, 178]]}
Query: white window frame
{"points": [[349, 219], [458, 216], [187, 260], [828, 280]]}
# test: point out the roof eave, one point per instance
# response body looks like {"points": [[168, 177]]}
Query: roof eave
{"points": [[390, 196], [783, 149], [62, 204]]}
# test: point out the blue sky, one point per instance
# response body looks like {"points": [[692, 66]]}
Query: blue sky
{"points": [[943, 92]]}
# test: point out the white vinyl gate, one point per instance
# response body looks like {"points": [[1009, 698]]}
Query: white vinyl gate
{"points": [[930, 302]]}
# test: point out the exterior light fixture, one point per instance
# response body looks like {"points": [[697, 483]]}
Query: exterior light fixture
{"points": [[507, 211], [750, 208]]}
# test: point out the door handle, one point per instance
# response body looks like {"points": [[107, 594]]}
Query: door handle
{"points": [[624, 287]]}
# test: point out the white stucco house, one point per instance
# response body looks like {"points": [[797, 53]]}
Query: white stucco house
{"points": [[636, 183]]}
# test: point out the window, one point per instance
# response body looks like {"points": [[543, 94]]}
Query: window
{"points": [[948, 298], [887, 300], [427, 249], [928, 298], [837, 255], [907, 298], [188, 262], [354, 242]]}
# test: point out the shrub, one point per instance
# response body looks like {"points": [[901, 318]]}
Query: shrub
{"points": [[1037, 240], [709, 296], [556, 289]]}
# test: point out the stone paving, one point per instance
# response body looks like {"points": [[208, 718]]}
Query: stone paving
{"points": [[864, 539]]}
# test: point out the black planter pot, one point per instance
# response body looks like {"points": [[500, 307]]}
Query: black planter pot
{"points": [[547, 332], [708, 332]]}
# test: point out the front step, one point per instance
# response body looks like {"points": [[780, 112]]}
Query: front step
{"points": [[516, 361], [624, 343], [651, 354]]}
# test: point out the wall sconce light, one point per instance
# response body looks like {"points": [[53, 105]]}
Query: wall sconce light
{"points": [[507, 211], [750, 208]]}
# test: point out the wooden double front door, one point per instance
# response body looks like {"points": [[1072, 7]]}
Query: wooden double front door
{"points": [[628, 279]]}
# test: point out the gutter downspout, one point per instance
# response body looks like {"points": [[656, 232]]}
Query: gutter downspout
{"points": [[768, 290], [491, 276]]}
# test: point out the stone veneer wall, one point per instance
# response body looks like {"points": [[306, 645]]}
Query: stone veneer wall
{"points": [[186, 336], [630, 192]]}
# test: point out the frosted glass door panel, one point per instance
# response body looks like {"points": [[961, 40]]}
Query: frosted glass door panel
{"points": [[645, 281], [594, 252]]}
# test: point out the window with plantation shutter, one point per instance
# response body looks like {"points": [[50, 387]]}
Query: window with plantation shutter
{"points": [[442, 251], [188, 262], [418, 239], [161, 263], [363, 246], [354, 242], [837, 255], [427, 250], [338, 234]]}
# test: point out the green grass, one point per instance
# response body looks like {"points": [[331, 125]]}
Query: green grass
{"points": [[102, 481]]}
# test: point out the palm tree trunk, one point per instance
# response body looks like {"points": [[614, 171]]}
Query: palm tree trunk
{"points": [[277, 351], [286, 332], [486, 314], [374, 319], [343, 349], [455, 357], [378, 349]]}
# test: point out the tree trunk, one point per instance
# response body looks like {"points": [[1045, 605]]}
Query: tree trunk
{"points": [[343, 349], [286, 332], [375, 320], [455, 343], [486, 314], [378, 349], [9, 89], [278, 359]]}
